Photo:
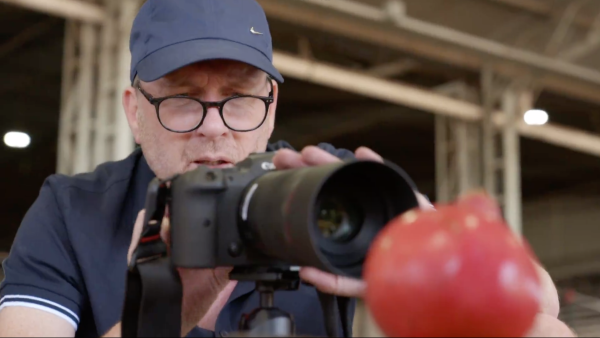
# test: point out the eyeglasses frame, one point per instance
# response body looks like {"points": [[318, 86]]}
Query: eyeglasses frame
{"points": [[156, 101]]}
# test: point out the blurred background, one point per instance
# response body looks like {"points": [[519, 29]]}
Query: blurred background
{"points": [[501, 94]]}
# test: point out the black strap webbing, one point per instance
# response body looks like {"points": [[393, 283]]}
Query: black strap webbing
{"points": [[153, 294], [335, 310], [344, 307], [153, 300]]}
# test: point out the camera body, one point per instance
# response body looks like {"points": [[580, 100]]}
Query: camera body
{"points": [[206, 209]]}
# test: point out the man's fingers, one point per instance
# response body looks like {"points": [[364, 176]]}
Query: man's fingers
{"points": [[312, 155], [549, 326], [288, 159], [137, 233], [424, 202], [165, 232], [364, 153], [332, 284]]}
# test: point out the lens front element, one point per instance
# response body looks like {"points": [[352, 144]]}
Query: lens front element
{"points": [[338, 220]]}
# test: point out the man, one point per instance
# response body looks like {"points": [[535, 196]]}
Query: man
{"points": [[65, 275]]}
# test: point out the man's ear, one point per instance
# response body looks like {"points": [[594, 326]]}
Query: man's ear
{"points": [[273, 107], [130, 105]]}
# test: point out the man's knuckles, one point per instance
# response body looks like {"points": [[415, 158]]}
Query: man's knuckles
{"points": [[364, 153], [316, 156]]}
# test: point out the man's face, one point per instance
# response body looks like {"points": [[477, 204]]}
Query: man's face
{"points": [[170, 153]]}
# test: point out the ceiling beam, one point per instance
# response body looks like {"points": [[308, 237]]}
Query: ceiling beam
{"points": [[439, 43], [26, 36], [425, 100], [67, 9], [346, 119], [394, 68], [545, 8], [581, 49], [557, 75]]}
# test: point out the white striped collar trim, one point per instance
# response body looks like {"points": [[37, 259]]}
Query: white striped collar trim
{"points": [[7, 297], [42, 308]]}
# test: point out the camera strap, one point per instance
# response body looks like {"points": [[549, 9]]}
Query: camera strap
{"points": [[336, 310], [153, 295]]}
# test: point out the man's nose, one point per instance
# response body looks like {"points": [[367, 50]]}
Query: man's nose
{"points": [[213, 125]]}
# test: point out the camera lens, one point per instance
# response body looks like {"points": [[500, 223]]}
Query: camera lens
{"points": [[325, 216], [338, 220]]}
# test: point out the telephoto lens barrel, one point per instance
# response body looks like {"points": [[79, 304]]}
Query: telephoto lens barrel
{"points": [[325, 216]]}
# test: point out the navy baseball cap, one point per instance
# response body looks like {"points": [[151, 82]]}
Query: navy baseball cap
{"points": [[170, 34]]}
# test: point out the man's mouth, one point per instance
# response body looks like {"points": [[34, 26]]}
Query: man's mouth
{"points": [[214, 163]]}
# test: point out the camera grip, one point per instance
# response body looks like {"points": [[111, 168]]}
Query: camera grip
{"points": [[194, 218]]}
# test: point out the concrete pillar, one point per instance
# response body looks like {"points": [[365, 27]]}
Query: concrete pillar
{"points": [[93, 126], [515, 102], [457, 145]]}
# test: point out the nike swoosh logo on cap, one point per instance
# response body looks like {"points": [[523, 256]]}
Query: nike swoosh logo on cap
{"points": [[255, 32]]}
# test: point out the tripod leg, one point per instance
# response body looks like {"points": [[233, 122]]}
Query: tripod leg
{"points": [[267, 322]]}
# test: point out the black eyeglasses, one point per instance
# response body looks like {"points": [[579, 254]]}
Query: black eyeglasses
{"points": [[240, 113]]}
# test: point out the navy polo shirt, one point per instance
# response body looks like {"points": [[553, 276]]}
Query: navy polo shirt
{"points": [[69, 256]]}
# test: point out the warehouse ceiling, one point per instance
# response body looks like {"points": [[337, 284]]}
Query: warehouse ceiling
{"points": [[31, 56], [31, 62]]}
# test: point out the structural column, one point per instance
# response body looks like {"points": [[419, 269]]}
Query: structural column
{"points": [[84, 129], [511, 153], [457, 148], [488, 134], [515, 102], [123, 143], [500, 150], [442, 169], [68, 100], [93, 125]]}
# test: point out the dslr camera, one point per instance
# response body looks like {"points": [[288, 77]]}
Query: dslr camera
{"points": [[253, 216]]}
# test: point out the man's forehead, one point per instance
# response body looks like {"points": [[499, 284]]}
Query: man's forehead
{"points": [[228, 72]]}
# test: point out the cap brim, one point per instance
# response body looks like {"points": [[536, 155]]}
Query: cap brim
{"points": [[174, 57]]}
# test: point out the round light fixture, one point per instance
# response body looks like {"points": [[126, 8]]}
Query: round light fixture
{"points": [[535, 117], [17, 139]]}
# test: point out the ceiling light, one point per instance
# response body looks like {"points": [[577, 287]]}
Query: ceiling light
{"points": [[535, 117], [16, 139]]}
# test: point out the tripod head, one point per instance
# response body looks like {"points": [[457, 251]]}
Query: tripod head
{"points": [[267, 320]]}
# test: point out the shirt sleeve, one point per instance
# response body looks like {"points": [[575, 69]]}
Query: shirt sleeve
{"points": [[41, 271]]}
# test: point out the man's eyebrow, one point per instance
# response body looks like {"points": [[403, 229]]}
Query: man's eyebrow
{"points": [[231, 83], [247, 85], [240, 81], [176, 83]]}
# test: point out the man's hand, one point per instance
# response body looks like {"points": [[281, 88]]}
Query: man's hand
{"points": [[547, 323], [313, 156]]}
